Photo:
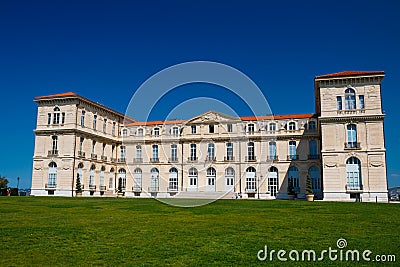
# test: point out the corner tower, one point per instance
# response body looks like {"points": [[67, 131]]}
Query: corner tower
{"points": [[349, 106]]}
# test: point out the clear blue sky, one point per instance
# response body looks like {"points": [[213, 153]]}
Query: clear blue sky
{"points": [[104, 50]]}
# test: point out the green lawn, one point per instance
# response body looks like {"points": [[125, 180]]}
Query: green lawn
{"points": [[110, 231]]}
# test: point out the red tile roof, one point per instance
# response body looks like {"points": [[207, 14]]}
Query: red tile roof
{"points": [[278, 117], [350, 73], [150, 123], [57, 95]]}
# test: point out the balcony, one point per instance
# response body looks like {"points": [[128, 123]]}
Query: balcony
{"points": [[121, 160], [250, 189], [136, 188], [52, 153], [104, 158], [153, 189], [103, 188], [81, 154], [92, 187], [137, 160], [351, 111], [192, 159], [154, 160], [250, 158], [352, 145], [353, 188], [293, 157], [172, 189], [93, 156], [310, 156], [211, 159], [272, 157], [172, 160], [50, 186], [229, 158]]}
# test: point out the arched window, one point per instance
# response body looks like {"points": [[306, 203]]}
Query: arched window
{"points": [[156, 131], [175, 131], [139, 132], [250, 151], [353, 174], [173, 179], [229, 179], [79, 174], [352, 136], [52, 175], [273, 181], [293, 175], [122, 178], [102, 182], [272, 127], [314, 178], [124, 132], [111, 179], [154, 180], [192, 186], [292, 126], [211, 176], [272, 150], [250, 128], [137, 180], [251, 179], [56, 116], [91, 177], [350, 98]]}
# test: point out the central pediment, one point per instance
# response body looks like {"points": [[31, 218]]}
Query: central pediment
{"points": [[212, 117]]}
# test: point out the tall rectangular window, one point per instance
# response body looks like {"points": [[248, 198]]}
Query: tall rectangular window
{"points": [[49, 118], [361, 100], [351, 136], [94, 122], [123, 152], [339, 102], [250, 151], [63, 118], [138, 153], [103, 150], [272, 150], [56, 118], [292, 150], [174, 152], [229, 151], [83, 118], [211, 128], [104, 125], [313, 148], [156, 131], [272, 127], [81, 144], [230, 128], [54, 144], [211, 152], [250, 128], [192, 151], [113, 129], [193, 128], [93, 146], [175, 131], [155, 152]]}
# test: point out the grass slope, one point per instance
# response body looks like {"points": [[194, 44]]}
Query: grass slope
{"points": [[106, 231]]}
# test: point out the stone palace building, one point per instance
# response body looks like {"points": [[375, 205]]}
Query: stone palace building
{"points": [[341, 147]]}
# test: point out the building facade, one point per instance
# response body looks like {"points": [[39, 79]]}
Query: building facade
{"points": [[340, 147]]}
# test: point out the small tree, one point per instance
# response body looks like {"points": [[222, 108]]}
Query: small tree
{"points": [[3, 182], [78, 184], [309, 190]]}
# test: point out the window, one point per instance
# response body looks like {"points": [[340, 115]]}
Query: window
{"points": [[63, 118], [156, 131], [111, 179], [140, 132], [229, 179], [52, 175], [314, 178], [104, 125], [155, 152], [91, 177], [93, 147], [49, 118], [193, 152], [312, 125], [103, 150], [193, 128], [229, 151], [292, 126], [272, 127], [351, 136], [230, 128], [122, 178], [192, 179], [250, 128], [250, 151], [154, 179], [79, 173], [138, 153], [292, 150], [174, 152], [273, 181], [353, 174], [211, 175], [211, 152], [361, 101], [293, 175], [272, 150], [313, 149], [81, 144], [339, 102], [102, 176], [113, 129], [122, 152], [350, 98], [54, 145], [56, 117], [173, 179], [83, 118], [175, 131], [211, 128], [137, 180], [124, 132], [251, 179], [94, 122]]}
